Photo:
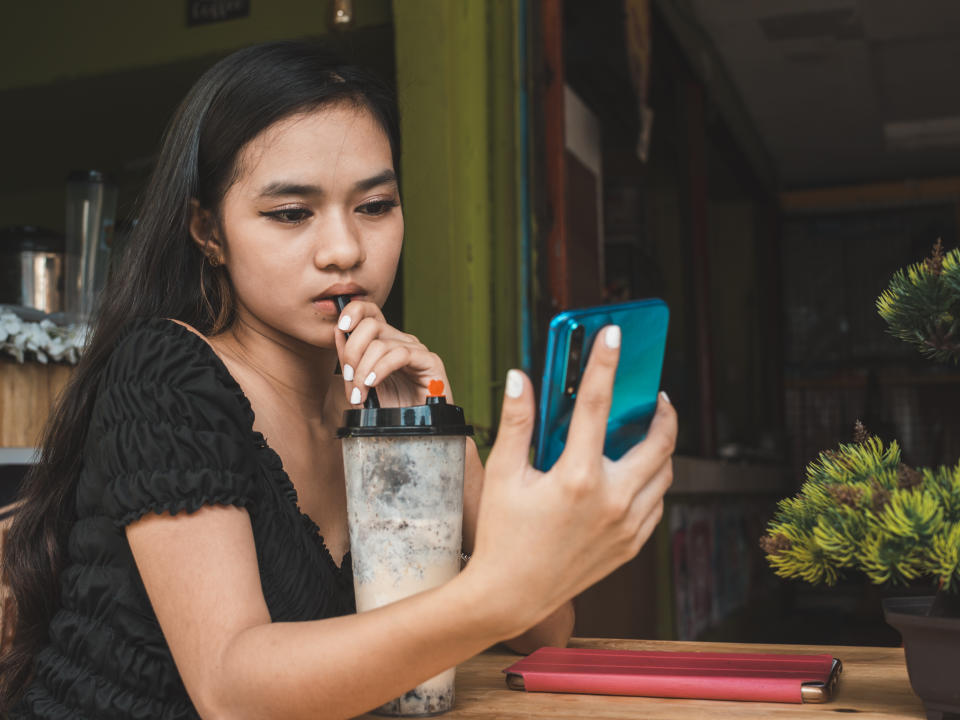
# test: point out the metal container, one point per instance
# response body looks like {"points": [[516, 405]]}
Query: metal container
{"points": [[31, 268]]}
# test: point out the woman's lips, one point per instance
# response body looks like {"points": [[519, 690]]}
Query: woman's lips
{"points": [[327, 307]]}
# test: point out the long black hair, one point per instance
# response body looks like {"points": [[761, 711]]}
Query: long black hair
{"points": [[163, 274]]}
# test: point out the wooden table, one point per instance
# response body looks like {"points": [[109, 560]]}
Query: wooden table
{"points": [[873, 684]]}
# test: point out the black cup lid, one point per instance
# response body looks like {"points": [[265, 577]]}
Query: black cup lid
{"points": [[436, 417]]}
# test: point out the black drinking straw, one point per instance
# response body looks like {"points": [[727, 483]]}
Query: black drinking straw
{"points": [[372, 400]]}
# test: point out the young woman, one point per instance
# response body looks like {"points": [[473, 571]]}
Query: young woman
{"points": [[166, 563]]}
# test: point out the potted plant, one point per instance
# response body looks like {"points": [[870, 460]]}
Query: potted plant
{"points": [[861, 508]]}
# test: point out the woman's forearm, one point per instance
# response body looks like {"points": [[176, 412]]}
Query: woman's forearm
{"points": [[553, 631], [340, 667]]}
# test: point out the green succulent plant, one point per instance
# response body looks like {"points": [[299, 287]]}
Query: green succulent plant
{"points": [[922, 305], [860, 508]]}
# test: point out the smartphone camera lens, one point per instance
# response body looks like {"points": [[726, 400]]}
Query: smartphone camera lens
{"points": [[574, 362]]}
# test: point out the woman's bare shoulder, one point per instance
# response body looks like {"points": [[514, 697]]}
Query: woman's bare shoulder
{"points": [[191, 328], [218, 348]]}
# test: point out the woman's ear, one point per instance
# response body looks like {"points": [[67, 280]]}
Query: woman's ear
{"points": [[203, 230]]}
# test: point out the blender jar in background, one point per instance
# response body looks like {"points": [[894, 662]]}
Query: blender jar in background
{"points": [[91, 209]]}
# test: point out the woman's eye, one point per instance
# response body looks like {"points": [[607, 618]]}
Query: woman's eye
{"points": [[378, 207], [288, 215]]}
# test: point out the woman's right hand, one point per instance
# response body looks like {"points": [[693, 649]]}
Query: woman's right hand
{"points": [[542, 538]]}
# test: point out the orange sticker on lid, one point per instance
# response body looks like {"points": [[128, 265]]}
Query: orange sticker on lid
{"points": [[435, 389]]}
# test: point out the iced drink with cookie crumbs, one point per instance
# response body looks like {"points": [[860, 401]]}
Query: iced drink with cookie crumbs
{"points": [[404, 478]]}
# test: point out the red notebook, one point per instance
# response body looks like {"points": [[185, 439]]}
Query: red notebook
{"points": [[703, 675]]}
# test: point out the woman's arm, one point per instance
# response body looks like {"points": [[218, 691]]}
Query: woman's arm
{"points": [[376, 347], [553, 631], [556, 629], [201, 574], [402, 367], [576, 523]]}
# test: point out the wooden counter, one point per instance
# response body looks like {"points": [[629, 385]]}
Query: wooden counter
{"points": [[873, 685], [27, 393]]}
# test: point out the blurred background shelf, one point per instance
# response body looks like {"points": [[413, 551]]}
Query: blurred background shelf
{"points": [[698, 476], [17, 455], [702, 569]]}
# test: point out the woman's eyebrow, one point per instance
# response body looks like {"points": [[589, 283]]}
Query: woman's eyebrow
{"points": [[381, 178], [282, 187]]}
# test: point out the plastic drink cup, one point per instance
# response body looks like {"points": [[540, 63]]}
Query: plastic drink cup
{"points": [[404, 480]]}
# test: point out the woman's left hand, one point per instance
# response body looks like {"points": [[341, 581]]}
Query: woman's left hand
{"points": [[378, 355]]}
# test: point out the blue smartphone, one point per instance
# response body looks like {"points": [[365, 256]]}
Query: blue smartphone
{"points": [[571, 335]]}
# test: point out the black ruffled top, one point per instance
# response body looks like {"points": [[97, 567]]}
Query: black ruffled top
{"points": [[171, 431]]}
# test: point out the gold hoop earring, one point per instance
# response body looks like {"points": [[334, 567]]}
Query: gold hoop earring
{"points": [[217, 300], [204, 297]]}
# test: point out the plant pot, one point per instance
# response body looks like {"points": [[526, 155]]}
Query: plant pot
{"points": [[932, 649]]}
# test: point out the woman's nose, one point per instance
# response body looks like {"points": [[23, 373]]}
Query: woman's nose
{"points": [[338, 245]]}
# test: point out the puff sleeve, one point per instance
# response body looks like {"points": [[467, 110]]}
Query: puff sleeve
{"points": [[170, 429]]}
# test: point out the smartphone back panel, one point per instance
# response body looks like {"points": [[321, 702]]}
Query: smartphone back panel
{"points": [[644, 333]]}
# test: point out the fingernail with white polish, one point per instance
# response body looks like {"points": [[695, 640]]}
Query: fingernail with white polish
{"points": [[514, 383], [344, 323], [612, 336], [369, 379], [347, 373], [355, 397], [664, 396]]}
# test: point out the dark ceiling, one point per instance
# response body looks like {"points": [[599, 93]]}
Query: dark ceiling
{"points": [[844, 91]]}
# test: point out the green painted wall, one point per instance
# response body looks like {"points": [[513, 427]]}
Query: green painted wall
{"points": [[457, 79], [103, 97], [58, 39]]}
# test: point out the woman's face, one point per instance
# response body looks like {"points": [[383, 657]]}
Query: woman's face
{"points": [[315, 213]]}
